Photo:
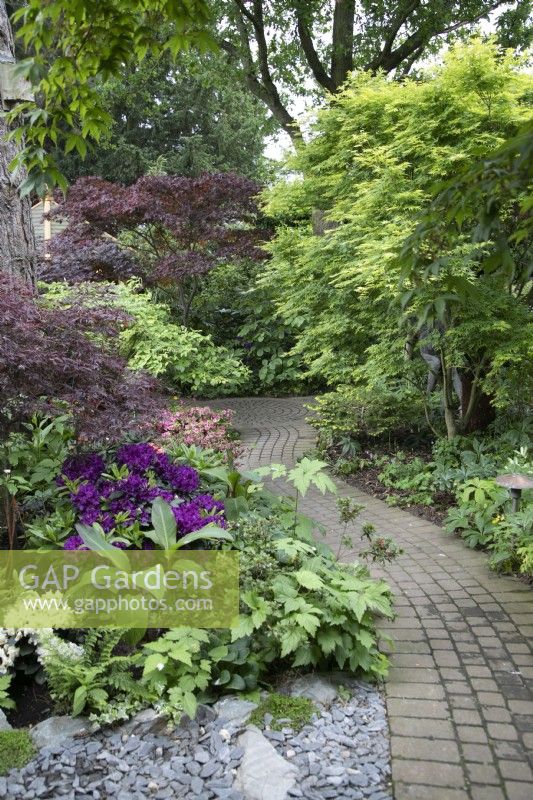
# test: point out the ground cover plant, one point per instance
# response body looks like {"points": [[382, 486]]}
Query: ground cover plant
{"points": [[451, 482], [294, 711], [16, 749]]}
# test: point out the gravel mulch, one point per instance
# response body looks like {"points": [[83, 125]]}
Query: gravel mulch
{"points": [[342, 753]]}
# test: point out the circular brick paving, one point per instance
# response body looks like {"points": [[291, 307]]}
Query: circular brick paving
{"points": [[460, 690]]}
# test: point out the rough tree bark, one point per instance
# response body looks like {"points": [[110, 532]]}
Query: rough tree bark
{"points": [[17, 240]]}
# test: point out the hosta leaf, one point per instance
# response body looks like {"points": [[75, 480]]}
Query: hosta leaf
{"points": [[164, 522]]}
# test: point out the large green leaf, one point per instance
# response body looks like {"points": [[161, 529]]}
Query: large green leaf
{"points": [[94, 537], [210, 532], [79, 700], [165, 526]]}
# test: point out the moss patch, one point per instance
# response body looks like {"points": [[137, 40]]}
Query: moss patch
{"points": [[298, 710], [16, 749]]}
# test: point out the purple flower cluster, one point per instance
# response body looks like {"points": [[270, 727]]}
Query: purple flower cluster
{"points": [[88, 467], [139, 458], [201, 510], [117, 504]]}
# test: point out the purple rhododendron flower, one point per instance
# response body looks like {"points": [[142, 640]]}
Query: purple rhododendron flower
{"points": [[88, 467], [183, 479], [137, 457], [90, 516], [208, 502], [107, 521], [157, 491], [74, 543], [192, 516], [188, 517], [86, 498]]}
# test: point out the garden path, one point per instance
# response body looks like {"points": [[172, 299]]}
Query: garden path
{"points": [[460, 690]]}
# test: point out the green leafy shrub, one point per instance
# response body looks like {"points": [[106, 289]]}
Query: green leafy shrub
{"points": [[302, 607], [479, 504], [16, 749], [299, 607], [484, 518], [370, 164], [357, 411], [34, 455], [240, 313], [188, 665], [512, 545], [32, 459], [464, 457], [185, 359], [413, 476]]}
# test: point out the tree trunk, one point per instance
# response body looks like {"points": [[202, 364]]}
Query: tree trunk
{"points": [[342, 44], [483, 412], [17, 240]]}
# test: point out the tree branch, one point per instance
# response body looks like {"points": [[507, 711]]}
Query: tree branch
{"points": [[389, 59], [397, 23], [317, 68], [263, 88]]}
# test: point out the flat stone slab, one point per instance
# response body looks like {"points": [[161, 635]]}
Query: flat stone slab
{"points": [[234, 710], [54, 730], [263, 773], [320, 689]]}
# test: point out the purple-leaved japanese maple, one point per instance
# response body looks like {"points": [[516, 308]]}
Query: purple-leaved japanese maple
{"points": [[170, 230], [68, 354]]}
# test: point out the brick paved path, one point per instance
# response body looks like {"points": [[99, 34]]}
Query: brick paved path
{"points": [[460, 691]]}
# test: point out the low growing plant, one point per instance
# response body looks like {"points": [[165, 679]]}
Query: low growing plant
{"points": [[412, 476], [200, 427], [98, 681], [302, 607], [294, 711], [16, 749]]}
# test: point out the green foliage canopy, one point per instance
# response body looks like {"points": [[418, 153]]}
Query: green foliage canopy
{"points": [[284, 48], [182, 116], [74, 44], [369, 170]]}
